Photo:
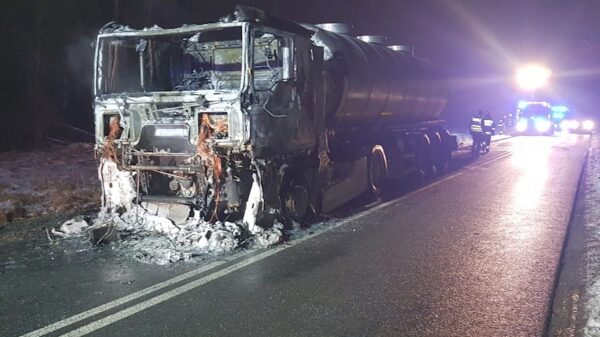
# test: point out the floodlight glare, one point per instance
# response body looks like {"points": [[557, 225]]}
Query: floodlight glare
{"points": [[574, 124], [533, 77], [542, 125], [521, 125], [522, 105], [588, 125]]}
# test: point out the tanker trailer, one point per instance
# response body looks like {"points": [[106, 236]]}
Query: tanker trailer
{"points": [[256, 116], [382, 108]]}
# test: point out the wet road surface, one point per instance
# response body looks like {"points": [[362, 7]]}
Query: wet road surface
{"points": [[474, 254]]}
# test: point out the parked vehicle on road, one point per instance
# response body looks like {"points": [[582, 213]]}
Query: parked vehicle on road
{"points": [[258, 115], [534, 118]]}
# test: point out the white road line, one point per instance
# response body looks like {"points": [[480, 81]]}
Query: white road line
{"points": [[461, 171], [194, 284], [491, 160], [86, 329], [120, 301], [91, 327]]}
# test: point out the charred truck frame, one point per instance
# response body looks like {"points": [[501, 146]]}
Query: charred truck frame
{"points": [[256, 115]]}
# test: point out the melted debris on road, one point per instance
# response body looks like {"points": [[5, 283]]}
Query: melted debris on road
{"points": [[150, 238]]}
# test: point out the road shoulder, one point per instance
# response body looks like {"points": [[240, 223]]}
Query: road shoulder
{"points": [[574, 296]]}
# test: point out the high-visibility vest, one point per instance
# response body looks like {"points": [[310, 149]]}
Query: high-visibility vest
{"points": [[488, 125], [475, 125]]}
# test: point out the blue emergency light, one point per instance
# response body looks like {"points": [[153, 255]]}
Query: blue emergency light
{"points": [[559, 112]]}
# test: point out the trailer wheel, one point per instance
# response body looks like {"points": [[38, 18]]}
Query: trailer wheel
{"points": [[378, 170], [440, 154], [423, 152]]}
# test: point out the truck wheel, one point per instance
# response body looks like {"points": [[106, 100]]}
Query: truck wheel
{"points": [[377, 170], [295, 198]]}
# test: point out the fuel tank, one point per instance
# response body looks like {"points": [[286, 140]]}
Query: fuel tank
{"points": [[369, 84]]}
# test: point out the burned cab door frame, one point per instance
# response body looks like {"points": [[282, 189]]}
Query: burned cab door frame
{"points": [[278, 114]]}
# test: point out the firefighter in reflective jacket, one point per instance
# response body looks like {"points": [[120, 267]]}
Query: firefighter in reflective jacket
{"points": [[476, 128], [488, 130]]}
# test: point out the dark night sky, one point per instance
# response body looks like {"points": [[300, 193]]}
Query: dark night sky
{"points": [[46, 58]]}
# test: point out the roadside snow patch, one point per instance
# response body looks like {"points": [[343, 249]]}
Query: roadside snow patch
{"points": [[465, 140], [56, 180], [7, 205], [6, 208], [71, 228]]}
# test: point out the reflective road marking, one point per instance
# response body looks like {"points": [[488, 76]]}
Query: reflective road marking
{"points": [[213, 276]]}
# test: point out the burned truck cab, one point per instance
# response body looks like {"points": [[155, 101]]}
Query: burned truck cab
{"points": [[205, 116]]}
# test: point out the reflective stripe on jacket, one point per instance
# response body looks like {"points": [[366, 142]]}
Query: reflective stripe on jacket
{"points": [[488, 126], [475, 125]]}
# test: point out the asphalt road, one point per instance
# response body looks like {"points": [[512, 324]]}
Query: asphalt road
{"points": [[473, 254]]}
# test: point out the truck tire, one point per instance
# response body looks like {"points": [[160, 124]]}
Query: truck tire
{"points": [[440, 154], [295, 197], [425, 167], [378, 170]]}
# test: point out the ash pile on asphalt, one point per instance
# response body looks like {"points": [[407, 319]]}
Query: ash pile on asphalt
{"points": [[149, 236], [153, 239]]}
